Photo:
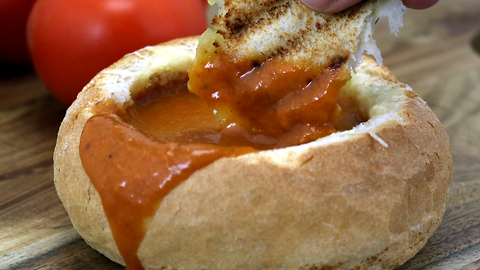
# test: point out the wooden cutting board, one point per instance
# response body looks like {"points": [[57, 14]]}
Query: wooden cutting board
{"points": [[433, 54]]}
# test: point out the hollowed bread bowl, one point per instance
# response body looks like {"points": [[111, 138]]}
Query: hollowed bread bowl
{"points": [[368, 196]]}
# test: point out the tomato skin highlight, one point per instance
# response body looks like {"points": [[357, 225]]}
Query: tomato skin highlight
{"points": [[72, 40], [13, 23]]}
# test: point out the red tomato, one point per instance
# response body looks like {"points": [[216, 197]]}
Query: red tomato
{"points": [[13, 22], [72, 40], [205, 3]]}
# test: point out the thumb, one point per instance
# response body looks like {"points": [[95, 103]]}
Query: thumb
{"points": [[329, 6]]}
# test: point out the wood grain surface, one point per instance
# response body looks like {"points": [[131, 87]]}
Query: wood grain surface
{"points": [[432, 53]]}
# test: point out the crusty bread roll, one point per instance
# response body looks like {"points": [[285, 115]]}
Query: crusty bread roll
{"points": [[364, 198]]}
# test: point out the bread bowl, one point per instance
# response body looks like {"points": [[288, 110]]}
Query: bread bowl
{"points": [[154, 196], [364, 198]]}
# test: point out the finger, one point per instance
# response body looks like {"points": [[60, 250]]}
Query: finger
{"points": [[419, 4], [329, 6]]}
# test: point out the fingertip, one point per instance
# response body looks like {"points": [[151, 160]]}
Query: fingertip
{"points": [[329, 6], [318, 5], [333, 6], [417, 4]]}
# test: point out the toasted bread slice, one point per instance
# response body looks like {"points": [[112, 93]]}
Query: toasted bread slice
{"points": [[288, 30]]}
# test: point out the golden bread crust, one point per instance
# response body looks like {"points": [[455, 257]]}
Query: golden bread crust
{"points": [[370, 196]]}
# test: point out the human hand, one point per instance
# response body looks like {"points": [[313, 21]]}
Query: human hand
{"points": [[332, 6]]}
